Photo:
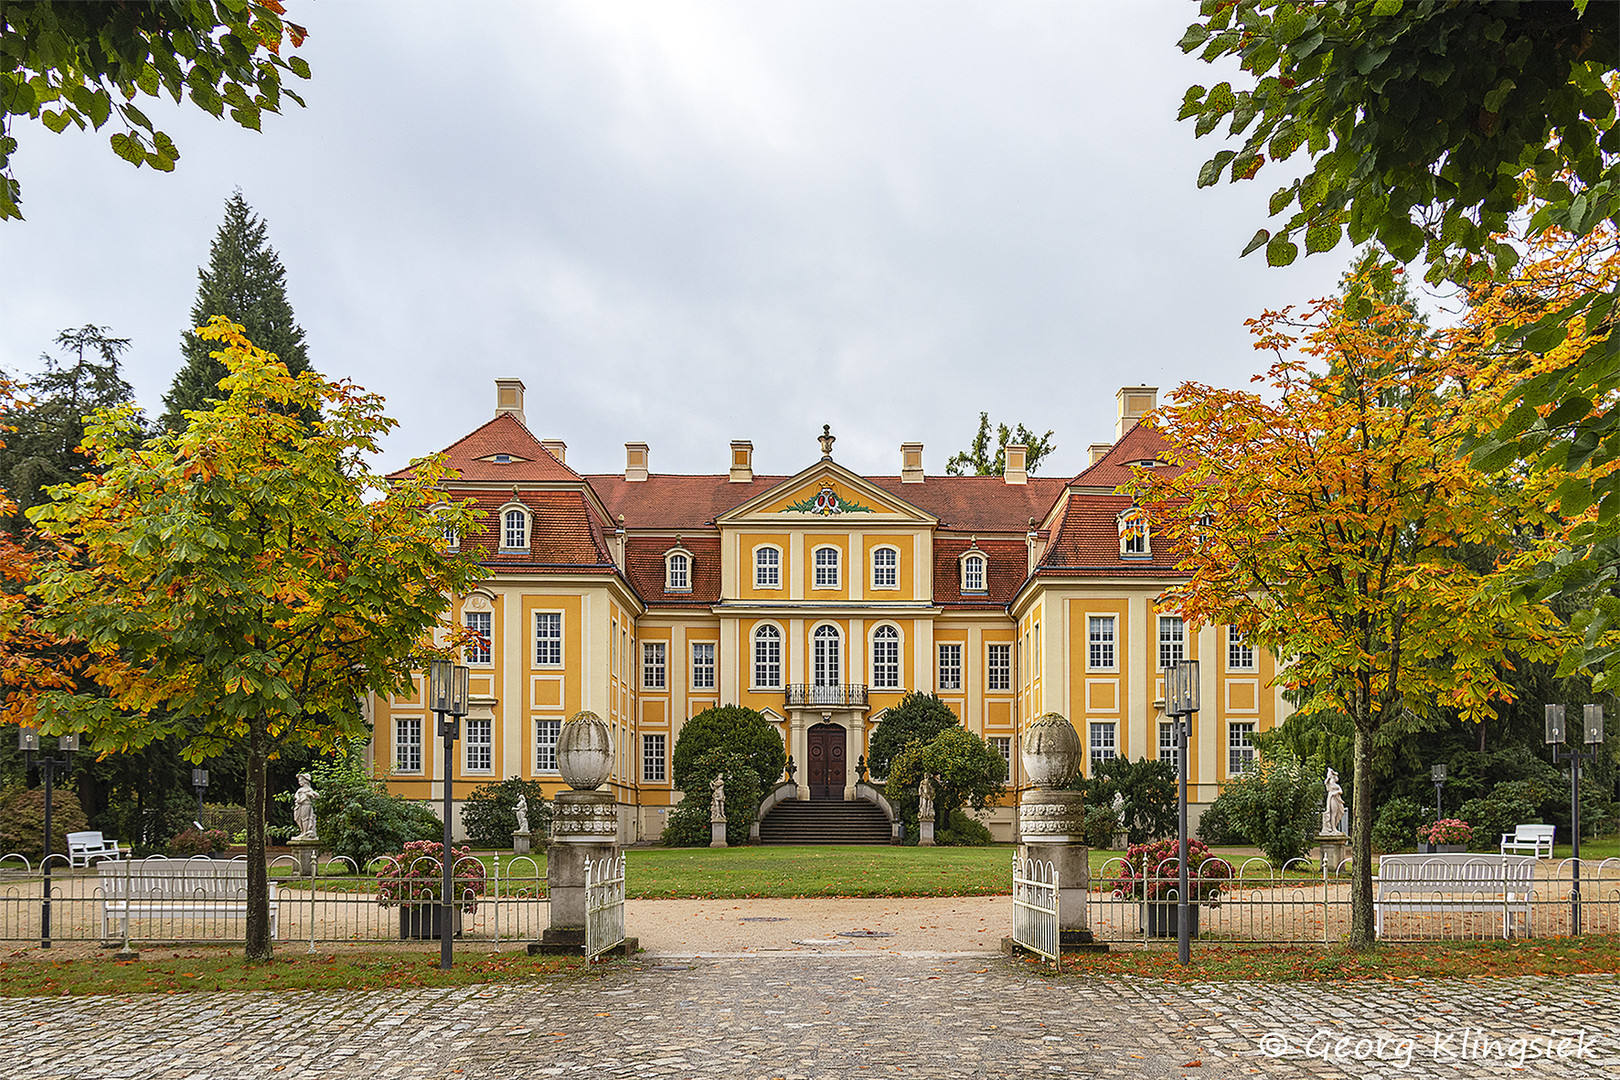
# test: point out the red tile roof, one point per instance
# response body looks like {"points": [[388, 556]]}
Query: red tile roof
{"points": [[675, 502], [532, 462], [1006, 562], [1086, 542], [1141, 443], [978, 503], [563, 532], [644, 563]]}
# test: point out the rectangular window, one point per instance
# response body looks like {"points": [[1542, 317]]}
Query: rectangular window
{"points": [[1102, 742], [703, 665], [652, 759], [478, 622], [545, 744], [886, 659], [998, 668], [950, 667], [1239, 653], [1100, 654], [652, 665], [548, 638], [1002, 744], [477, 746], [767, 568], [826, 568], [1239, 748], [408, 746], [885, 568], [1172, 641], [1168, 749], [768, 658]]}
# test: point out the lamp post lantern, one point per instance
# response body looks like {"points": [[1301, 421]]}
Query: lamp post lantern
{"points": [[199, 781], [448, 680], [1585, 750], [1438, 775], [1181, 702], [28, 742]]}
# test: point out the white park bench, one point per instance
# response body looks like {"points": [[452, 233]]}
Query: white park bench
{"points": [[1535, 839], [1456, 882], [177, 889], [85, 848]]}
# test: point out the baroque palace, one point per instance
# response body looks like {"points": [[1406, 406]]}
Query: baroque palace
{"points": [[818, 599]]}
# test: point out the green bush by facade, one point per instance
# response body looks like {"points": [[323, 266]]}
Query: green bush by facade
{"points": [[490, 818], [918, 717], [357, 818], [689, 822], [1216, 827], [963, 831], [1102, 825], [966, 771], [735, 730], [1397, 825], [1150, 809], [1277, 805]]}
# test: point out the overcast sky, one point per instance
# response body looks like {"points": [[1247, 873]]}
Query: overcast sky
{"points": [[687, 223]]}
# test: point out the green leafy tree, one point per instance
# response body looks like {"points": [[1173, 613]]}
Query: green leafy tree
{"points": [[356, 816], [918, 717], [1151, 802], [245, 282], [80, 63], [1277, 805], [247, 581], [489, 817], [732, 728], [967, 771], [689, 824], [981, 459]]}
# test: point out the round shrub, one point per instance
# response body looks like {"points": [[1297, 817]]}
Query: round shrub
{"points": [[1102, 825], [1396, 827], [964, 831], [22, 821], [194, 841], [1216, 827], [733, 730], [688, 824], [489, 816]]}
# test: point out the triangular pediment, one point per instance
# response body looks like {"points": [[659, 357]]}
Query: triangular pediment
{"points": [[826, 491]]}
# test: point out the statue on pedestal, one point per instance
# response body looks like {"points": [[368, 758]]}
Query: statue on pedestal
{"points": [[925, 798], [717, 798], [522, 809], [304, 808], [1333, 813]]}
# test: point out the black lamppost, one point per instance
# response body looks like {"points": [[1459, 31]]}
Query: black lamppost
{"points": [[199, 780], [28, 742], [1181, 702], [1438, 775], [1586, 750], [449, 683]]}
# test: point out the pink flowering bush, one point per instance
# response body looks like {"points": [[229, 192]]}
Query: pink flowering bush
{"points": [[414, 876], [1150, 872], [1446, 831]]}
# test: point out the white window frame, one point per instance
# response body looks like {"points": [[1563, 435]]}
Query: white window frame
{"points": [[1135, 539], [520, 534], [998, 676], [678, 571], [452, 539], [1168, 751], [482, 652], [1102, 742], [834, 578], [771, 637], [886, 577], [654, 759], [545, 646], [1239, 746], [1239, 653], [1172, 641], [969, 560], [950, 665], [1002, 744], [546, 732], [654, 665], [826, 660], [703, 667], [889, 635], [408, 738], [1102, 641], [478, 737], [767, 571]]}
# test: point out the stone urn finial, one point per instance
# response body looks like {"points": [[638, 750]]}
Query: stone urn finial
{"points": [[585, 751], [1051, 751]]}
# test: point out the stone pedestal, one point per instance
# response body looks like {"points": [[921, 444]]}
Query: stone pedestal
{"points": [[925, 831], [1052, 827], [520, 843], [717, 832], [1332, 849], [584, 825], [305, 850]]}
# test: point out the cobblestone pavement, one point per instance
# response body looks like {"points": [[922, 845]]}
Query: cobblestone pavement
{"points": [[839, 1015]]}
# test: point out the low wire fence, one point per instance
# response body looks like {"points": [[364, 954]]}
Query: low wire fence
{"points": [[1421, 898], [196, 900]]}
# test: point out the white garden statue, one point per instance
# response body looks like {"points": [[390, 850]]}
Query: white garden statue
{"points": [[925, 798], [522, 810], [304, 808], [717, 798], [1333, 813]]}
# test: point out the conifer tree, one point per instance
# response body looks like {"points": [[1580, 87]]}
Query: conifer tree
{"points": [[245, 282]]}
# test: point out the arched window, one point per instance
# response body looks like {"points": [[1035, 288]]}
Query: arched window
{"points": [[767, 657], [515, 530], [885, 568], [886, 658], [828, 653], [767, 568], [677, 572], [826, 567], [973, 572]]}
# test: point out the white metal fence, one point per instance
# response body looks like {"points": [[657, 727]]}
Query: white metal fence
{"points": [[1035, 906], [604, 905], [204, 900]]}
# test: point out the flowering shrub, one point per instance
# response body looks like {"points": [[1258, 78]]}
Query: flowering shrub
{"points": [[1150, 871], [1446, 831], [194, 841], [414, 876]]}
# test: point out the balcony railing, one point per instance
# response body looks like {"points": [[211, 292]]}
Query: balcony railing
{"points": [[845, 696]]}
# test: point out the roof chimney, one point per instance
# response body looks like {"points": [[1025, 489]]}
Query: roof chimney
{"points": [[911, 466], [635, 461], [742, 461], [1135, 402], [509, 398], [555, 447], [1015, 473], [1098, 451]]}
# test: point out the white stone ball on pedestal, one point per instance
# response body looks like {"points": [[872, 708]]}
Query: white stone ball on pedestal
{"points": [[585, 751], [1051, 751]]}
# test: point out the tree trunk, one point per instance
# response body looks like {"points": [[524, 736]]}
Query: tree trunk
{"points": [[1362, 936], [259, 946]]}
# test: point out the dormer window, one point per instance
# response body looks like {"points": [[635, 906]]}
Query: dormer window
{"points": [[678, 572], [973, 572], [514, 529], [447, 531], [1133, 535], [502, 459]]}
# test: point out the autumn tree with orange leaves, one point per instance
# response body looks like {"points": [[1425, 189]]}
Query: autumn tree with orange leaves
{"points": [[246, 580], [1328, 519]]}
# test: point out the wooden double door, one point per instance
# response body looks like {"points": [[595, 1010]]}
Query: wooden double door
{"points": [[827, 766]]}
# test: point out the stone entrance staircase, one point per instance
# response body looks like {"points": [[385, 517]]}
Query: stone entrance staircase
{"points": [[824, 822]]}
